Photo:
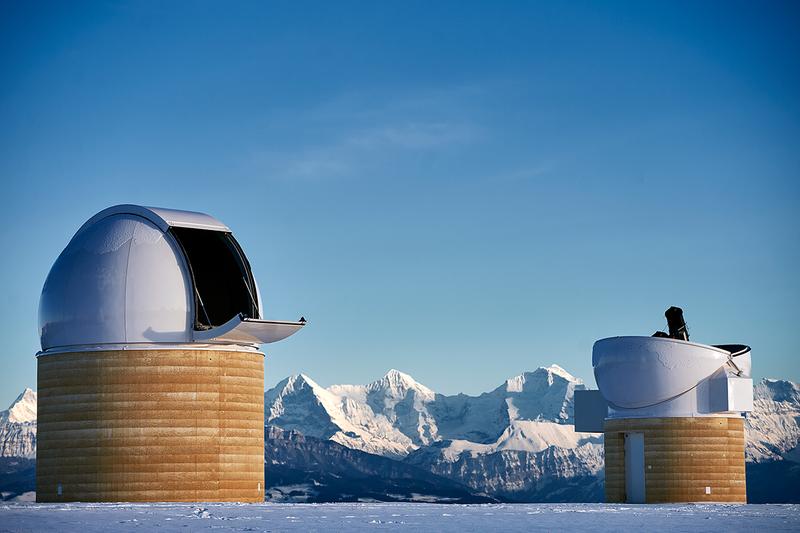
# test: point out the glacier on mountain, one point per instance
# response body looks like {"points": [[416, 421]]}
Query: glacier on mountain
{"points": [[514, 443], [299, 403], [396, 415], [517, 439], [773, 428], [18, 427]]}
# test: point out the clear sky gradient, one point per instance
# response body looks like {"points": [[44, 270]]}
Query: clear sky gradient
{"points": [[460, 192]]}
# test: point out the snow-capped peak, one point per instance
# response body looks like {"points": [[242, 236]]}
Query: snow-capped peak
{"points": [[394, 374], [558, 371], [779, 390], [23, 409], [521, 382], [18, 427], [338, 413], [773, 428], [399, 383], [299, 384], [300, 379]]}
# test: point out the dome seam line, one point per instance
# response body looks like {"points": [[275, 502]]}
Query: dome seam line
{"points": [[125, 278]]}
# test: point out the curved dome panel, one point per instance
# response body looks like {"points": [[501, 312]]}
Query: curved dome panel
{"points": [[635, 372], [119, 280], [158, 289], [144, 275]]}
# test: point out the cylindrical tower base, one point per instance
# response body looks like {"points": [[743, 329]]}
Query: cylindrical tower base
{"points": [[151, 425], [685, 460]]}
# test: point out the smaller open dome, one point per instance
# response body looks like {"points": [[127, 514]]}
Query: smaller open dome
{"points": [[636, 372]]}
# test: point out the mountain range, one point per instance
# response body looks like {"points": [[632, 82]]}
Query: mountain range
{"points": [[395, 439]]}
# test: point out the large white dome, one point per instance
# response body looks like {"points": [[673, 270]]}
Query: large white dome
{"points": [[138, 275]]}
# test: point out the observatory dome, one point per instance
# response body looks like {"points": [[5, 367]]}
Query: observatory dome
{"points": [[671, 414], [141, 275], [644, 376], [635, 372]]}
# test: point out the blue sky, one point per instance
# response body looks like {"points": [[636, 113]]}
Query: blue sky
{"points": [[460, 191]]}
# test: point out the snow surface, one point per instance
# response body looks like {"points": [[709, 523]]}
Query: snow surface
{"points": [[91, 518]]}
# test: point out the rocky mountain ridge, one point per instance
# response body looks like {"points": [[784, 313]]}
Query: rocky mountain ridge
{"points": [[396, 415], [18, 427], [307, 469], [773, 428], [514, 443]]}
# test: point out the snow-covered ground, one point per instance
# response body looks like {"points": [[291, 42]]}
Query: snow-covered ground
{"points": [[90, 518]]}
